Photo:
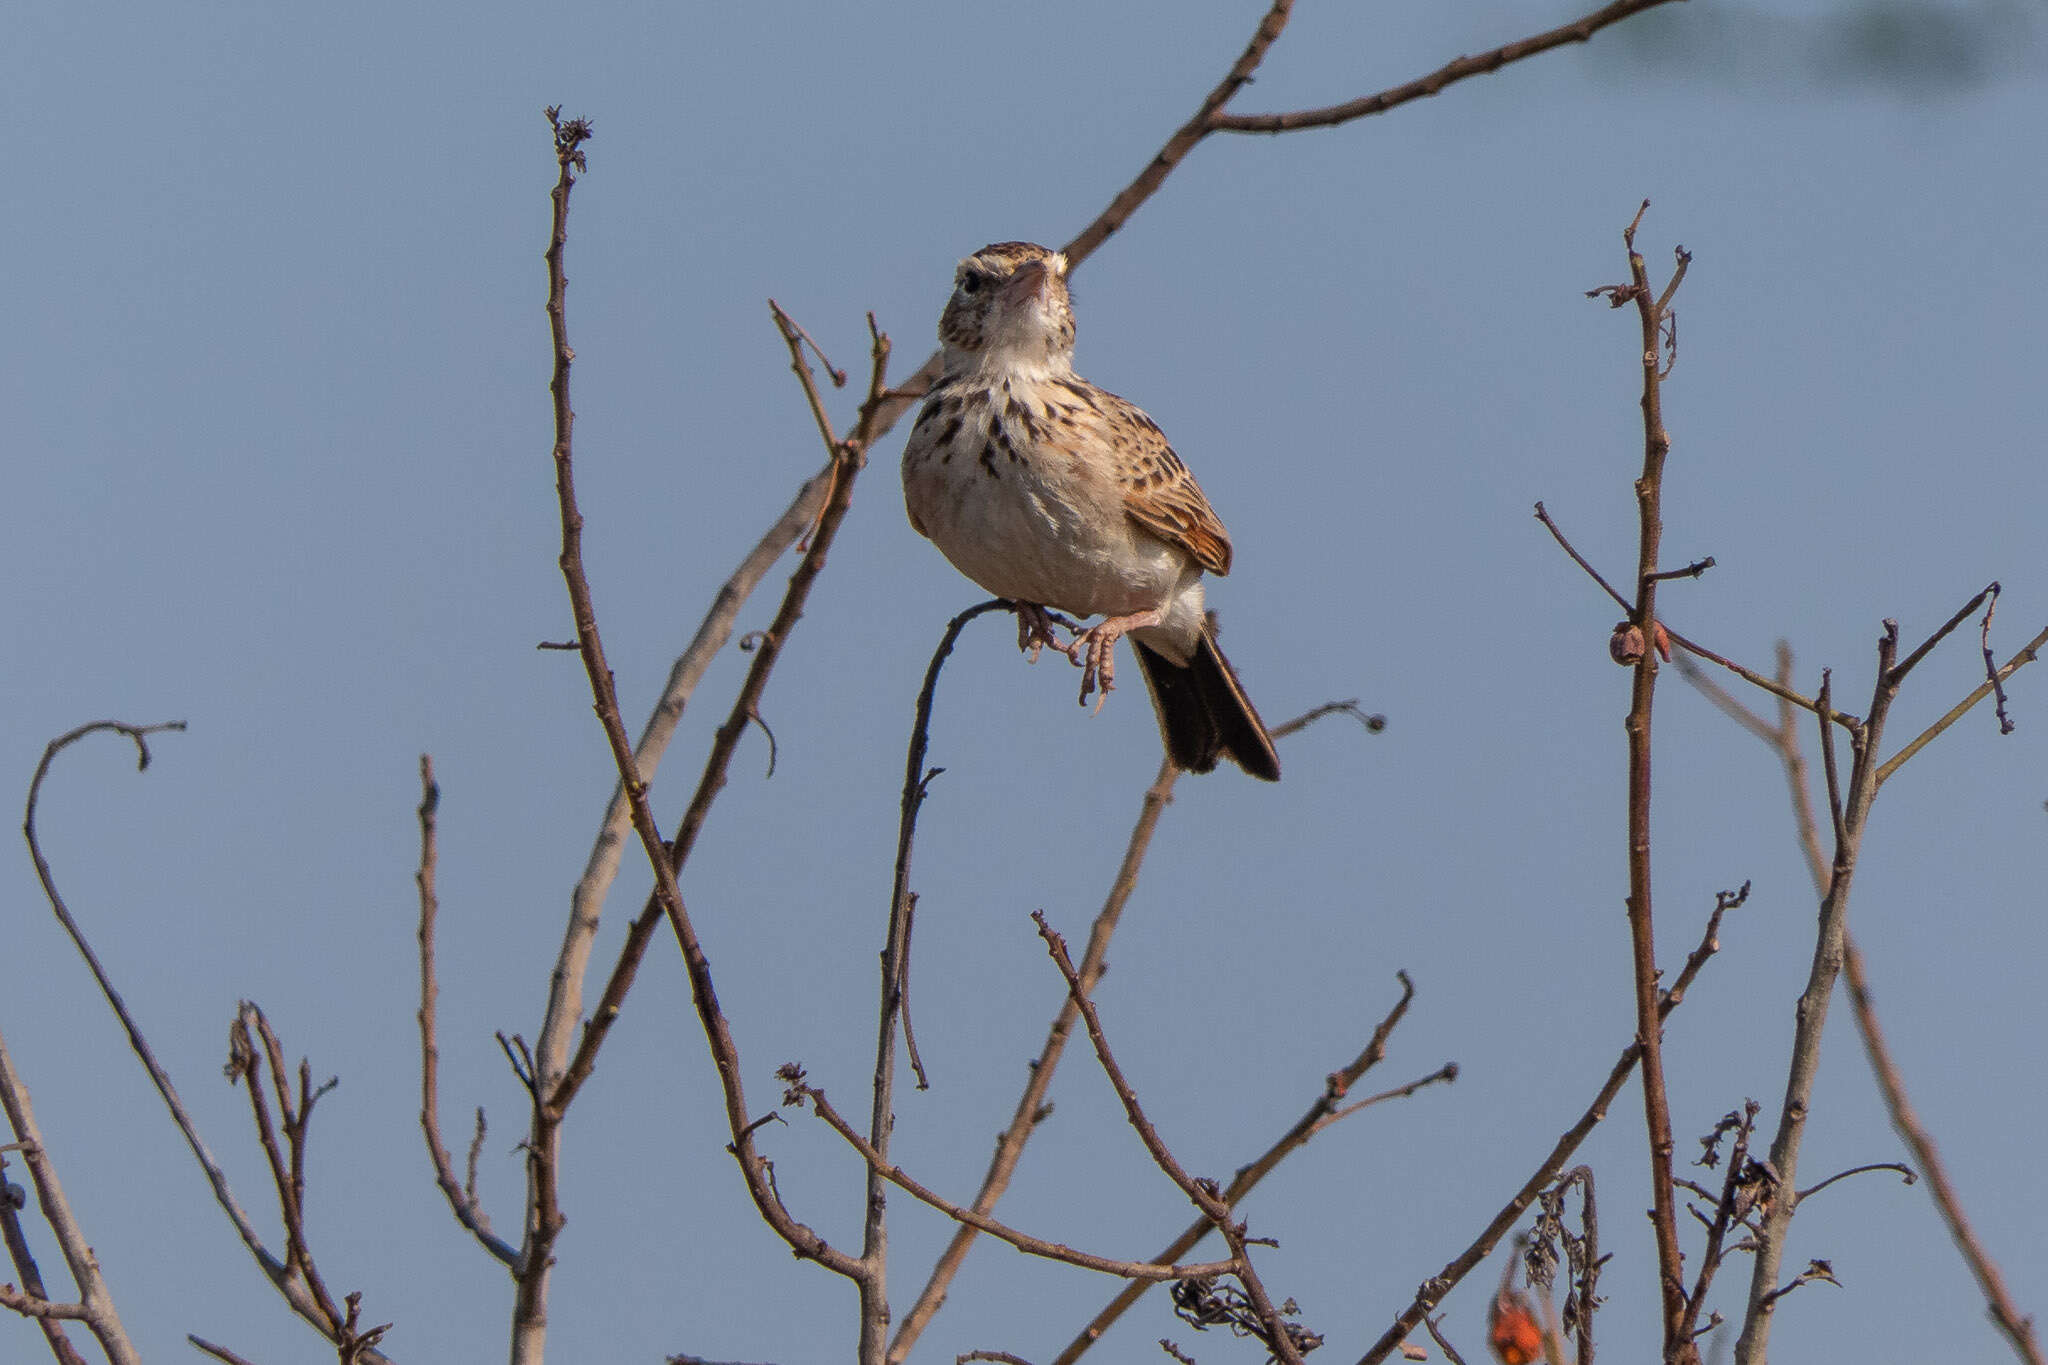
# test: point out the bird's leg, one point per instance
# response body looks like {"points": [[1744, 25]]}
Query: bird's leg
{"points": [[1034, 631], [1099, 672]]}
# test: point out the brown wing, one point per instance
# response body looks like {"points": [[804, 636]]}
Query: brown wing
{"points": [[1159, 493]]}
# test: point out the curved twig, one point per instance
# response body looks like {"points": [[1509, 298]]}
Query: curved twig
{"points": [[293, 1290]]}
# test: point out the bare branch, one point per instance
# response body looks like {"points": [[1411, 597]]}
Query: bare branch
{"points": [[461, 1195], [1905, 1172], [293, 1290], [565, 996], [32, 1298], [1462, 68], [1435, 1330], [1784, 741], [544, 1218], [1778, 688], [1031, 1106], [218, 1352], [1199, 125], [1642, 932], [1810, 1018], [2027, 654], [801, 1092], [2017, 1327], [1906, 665], [895, 989], [1827, 759], [1815, 1270], [1557, 534]]}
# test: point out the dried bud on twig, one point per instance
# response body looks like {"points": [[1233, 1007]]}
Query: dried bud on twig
{"points": [[1625, 646]]}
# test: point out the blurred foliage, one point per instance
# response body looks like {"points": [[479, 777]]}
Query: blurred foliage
{"points": [[1915, 49]]}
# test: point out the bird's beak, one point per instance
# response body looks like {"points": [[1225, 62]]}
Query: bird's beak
{"points": [[1028, 283]]}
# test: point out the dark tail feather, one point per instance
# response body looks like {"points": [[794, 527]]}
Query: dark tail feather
{"points": [[1204, 713]]}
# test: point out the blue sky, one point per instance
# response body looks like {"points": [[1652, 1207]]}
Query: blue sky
{"points": [[276, 377]]}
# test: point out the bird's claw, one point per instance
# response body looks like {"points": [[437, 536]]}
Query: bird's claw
{"points": [[1035, 626]]}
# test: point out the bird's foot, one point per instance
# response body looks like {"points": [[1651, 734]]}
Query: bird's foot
{"points": [[1035, 632], [1098, 671]]}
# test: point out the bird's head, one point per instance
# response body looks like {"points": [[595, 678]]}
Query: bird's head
{"points": [[1009, 310]]}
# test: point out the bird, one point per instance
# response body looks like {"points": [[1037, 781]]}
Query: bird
{"points": [[1061, 497]]}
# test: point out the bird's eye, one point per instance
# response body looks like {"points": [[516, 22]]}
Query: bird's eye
{"points": [[970, 284]]}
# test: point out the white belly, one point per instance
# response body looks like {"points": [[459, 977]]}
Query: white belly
{"points": [[1035, 526]]}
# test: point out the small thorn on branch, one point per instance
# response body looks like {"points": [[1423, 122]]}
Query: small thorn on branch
{"points": [[2005, 722], [754, 715], [1692, 570], [1617, 295], [570, 135], [1815, 1270]]}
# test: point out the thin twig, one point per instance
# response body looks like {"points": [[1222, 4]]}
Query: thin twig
{"points": [[461, 1195], [1905, 1172], [2005, 723], [1462, 68], [32, 1297], [287, 1162], [1436, 1335], [1649, 489], [1827, 760], [96, 1307], [1810, 1018], [1730, 1209], [544, 1217], [1557, 534], [801, 1092], [1198, 126], [1031, 1107], [565, 998], [1963, 613], [1784, 741], [895, 982], [293, 1291], [1778, 688], [2017, 1327], [586, 902], [2027, 654], [1443, 1075], [218, 1352]]}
